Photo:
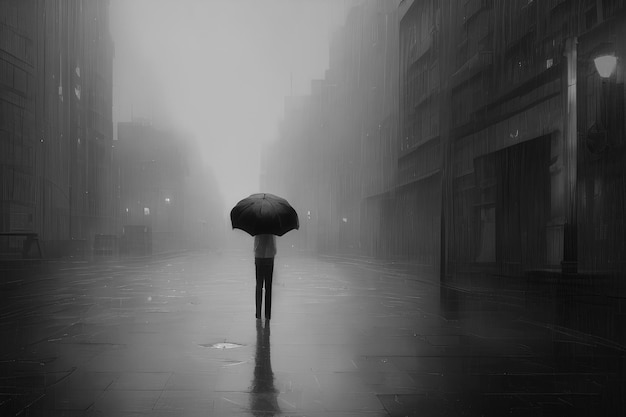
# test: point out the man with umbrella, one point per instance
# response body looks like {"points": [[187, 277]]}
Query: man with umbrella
{"points": [[264, 252], [264, 216]]}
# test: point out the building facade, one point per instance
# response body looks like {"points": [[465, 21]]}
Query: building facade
{"points": [[18, 134], [507, 144], [601, 126], [335, 158], [418, 189], [56, 128], [534, 139], [469, 136]]}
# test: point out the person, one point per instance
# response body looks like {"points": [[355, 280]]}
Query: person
{"points": [[264, 253]]}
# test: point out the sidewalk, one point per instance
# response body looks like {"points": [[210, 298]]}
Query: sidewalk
{"points": [[177, 337], [586, 305]]}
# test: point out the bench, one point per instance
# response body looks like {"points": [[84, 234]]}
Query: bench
{"points": [[30, 243]]}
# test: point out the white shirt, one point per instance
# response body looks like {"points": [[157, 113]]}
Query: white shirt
{"points": [[264, 246]]}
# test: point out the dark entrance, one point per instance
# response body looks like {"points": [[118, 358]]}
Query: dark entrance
{"points": [[513, 206]]}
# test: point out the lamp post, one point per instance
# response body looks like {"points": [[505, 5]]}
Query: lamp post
{"points": [[605, 65], [569, 264]]}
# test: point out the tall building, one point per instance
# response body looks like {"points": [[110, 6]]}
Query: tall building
{"points": [[535, 140], [164, 185], [56, 122], [19, 178], [506, 140], [335, 155], [508, 151], [380, 129], [600, 208], [418, 192]]}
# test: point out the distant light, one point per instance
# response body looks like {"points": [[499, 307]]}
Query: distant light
{"points": [[605, 65], [127, 210], [146, 211], [167, 200], [345, 220]]}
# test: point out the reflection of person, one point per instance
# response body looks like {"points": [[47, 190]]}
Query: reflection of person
{"points": [[264, 252], [263, 393]]}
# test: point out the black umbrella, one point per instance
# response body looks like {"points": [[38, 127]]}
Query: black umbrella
{"points": [[264, 214]]}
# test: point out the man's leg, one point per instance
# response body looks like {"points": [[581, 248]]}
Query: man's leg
{"points": [[259, 288], [269, 272]]}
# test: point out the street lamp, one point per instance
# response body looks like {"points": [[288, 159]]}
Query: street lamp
{"points": [[605, 65], [601, 134]]}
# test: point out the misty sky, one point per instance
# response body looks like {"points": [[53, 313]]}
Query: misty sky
{"points": [[219, 70]]}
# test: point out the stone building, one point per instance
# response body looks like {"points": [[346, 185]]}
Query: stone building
{"points": [[535, 138], [56, 122], [418, 189], [334, 158]]}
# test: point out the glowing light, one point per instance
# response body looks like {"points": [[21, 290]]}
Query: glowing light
{"points": [[605, 65]]}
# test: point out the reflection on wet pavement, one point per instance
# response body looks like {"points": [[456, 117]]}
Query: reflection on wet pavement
{"points": [[263, 393], [178, 337]]}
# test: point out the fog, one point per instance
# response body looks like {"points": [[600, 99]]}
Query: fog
{"points": [[453, 239], [220, 71]]}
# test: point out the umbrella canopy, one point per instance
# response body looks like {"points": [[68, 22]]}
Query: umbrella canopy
{"points": [[264, 214]]}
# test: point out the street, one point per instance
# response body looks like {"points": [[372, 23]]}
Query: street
{"points": [[176, 336]]}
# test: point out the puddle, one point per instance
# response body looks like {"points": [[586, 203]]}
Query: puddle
{"points": [[233, 363], [222, 345]]}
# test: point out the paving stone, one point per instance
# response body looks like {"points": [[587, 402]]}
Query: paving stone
{"points": [[177, 337]]}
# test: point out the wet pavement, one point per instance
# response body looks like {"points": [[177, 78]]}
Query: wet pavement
{"points": [[176, 336]]}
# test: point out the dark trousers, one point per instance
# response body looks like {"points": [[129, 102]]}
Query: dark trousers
{"points": [[264, 272]]}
